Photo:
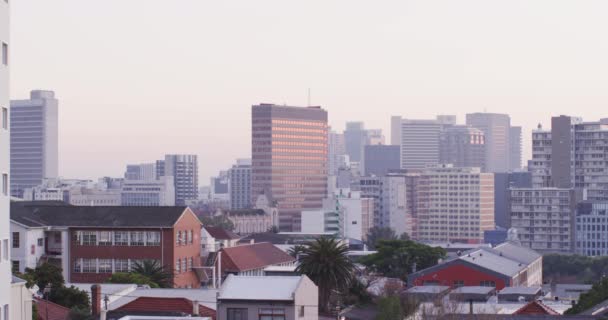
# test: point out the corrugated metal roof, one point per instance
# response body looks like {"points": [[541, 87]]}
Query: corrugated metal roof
{"points": [[274, 288]]}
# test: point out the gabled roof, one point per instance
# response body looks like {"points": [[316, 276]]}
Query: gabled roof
{"points": [[154, 304], [34, 214], [253, 256], [517, 252], [221, 233], [487, 259], [536, 307], [268, 288], [53, 310]]}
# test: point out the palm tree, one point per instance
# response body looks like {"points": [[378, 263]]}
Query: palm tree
{"points": [[326, 263], [153, 270], [296, 250]]}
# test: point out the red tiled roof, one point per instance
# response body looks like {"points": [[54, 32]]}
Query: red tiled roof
{"points": [[151, 304], [220, 233], [253, 256], [536, 307], [53, 310]]}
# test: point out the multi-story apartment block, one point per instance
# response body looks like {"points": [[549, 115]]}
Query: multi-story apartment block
{"points": [[289, 159], [184, 170], [336, 152], [418, 139], [142, 171], [5, 268], [496, 128], [148, 193], [515, 148], [543, 218], [91, 243], [34, 140], [591, 228], [454, 204], [393, 204], [239, 185], [371, 188], [503, 182], [463, 146]]}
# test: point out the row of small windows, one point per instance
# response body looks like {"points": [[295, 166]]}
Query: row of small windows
{"points": [[93, 265], [117, 238]]}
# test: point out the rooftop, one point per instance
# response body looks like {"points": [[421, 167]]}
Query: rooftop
{"points": [[221, 233], [428, 289], [253, 256], [520, 290], [275, 288]]}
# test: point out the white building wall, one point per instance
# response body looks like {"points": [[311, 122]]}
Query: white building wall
{"points": [[5, 265], [21, 302], [29, 252], [394, 202], [313, 221]]}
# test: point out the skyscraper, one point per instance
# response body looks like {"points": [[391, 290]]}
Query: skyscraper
{"points": [[355, 137], [143, 171], [379, 159], [497, 128], [5, 265], [515, 148], [463, 146], [418, 139], [34, 141], [184, 170], [239, 185], [289, 159], [337, 152]]}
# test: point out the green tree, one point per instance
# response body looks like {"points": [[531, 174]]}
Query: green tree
{"points": [[296, 250], [597, 294], [220, 221], [326, 263], [69, 297], [153, 270], [80, 313], [376, 234], [557, 267], [135, 278], [389, 308], [44, 275], [396, 258]]}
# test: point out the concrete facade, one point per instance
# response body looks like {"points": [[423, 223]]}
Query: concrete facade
{"points": [[591, 228], [148, 193], [184, 170], [239, 185], [418, 139], [496, 128], [463, 146], [378, 160], [5, 266]]}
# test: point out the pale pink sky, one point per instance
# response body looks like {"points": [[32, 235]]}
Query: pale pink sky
{"points": [[137, 79]]}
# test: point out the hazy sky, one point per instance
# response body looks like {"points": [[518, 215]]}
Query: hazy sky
{"points": [[137, 79]]}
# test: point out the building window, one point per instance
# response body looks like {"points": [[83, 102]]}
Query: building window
{"points": [[105, 238], [89, 238], [121, 265], [4, 118], [153, 238], [184, 265], [191, 261], [40, 242], [178, 238], [178, 265], [105, 265], [15, 266], [16, 240], [5, 184], [77, 266], [6, 313], [301, 313], [458, 283], [272, 314], [5, 54], [57, 237], [137, 238], [487, 283], [89, 265], [236, 314], [190, 240], [121, 238]]}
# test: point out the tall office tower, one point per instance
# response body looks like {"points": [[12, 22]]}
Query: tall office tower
{"points": [[371, 187], [289, 151], [543, 218], [355, 137], [239, 185], [496, 128], [374, 137], [591, 229], [5, 265], [419, 141], [34, 141], [463, 146], [380, 159], [515, 148], [503, 183], [336, 152], [160, 168], [184, 170], [143, 171], [455, 204]]}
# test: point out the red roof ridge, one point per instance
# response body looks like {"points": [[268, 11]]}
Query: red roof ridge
{"points": [[526, 308]]}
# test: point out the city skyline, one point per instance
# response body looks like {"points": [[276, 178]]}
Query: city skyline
{"points": [[433, 70]]}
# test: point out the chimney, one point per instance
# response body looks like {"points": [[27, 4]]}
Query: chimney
{"points": [[96, 299], [195, 308]]}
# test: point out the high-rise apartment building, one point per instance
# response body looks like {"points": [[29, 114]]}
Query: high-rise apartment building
{"points": [[184, 170], [419, 141], [543, 218], [515, 148], [463, 146], [591, 228], [336, 152], [455, 204], [239, 185], [497, 129], [380, 159], [289, 159], [355, 137], [5, 265], [393, 200], [143, 171], [34, 140], [503, 182]]}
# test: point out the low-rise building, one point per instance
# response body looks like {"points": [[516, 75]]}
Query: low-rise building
{"points": [[506, 265], [144, 193], [271, 297], [215, 238], [252, 259], [91, 243], [263, 217]]}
